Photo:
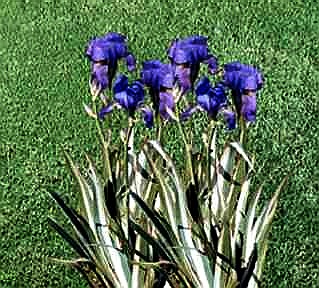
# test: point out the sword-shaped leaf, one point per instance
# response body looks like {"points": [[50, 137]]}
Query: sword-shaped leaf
{"points": [[118, 260], [197, 262]]}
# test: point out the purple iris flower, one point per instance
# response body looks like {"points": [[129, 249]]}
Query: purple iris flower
{"points": [[186, 55], [157, 75], [160, 79], [212, 100], [104, 54], [129, 97], [244, 82]]}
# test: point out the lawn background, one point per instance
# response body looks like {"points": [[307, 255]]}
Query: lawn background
{"points": [[43, 83]]}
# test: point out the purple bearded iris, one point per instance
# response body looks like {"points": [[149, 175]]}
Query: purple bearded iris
{"points": [[186, 55], [159, 77], [244, 82], [104, 54], [130, 98], [212, 100]]}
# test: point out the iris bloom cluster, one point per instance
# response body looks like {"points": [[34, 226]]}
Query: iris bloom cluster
{"points": [[162, 79]]}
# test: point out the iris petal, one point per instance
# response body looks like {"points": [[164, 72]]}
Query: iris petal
{"points": [[166, 101], [97, 50], [249, 83], [122, 99], [183, 76], [115, 37], [135, 94], [230, 119], [121, 84], [130, 62], [204, 101], [105, 110], [182, 56], [195, 39], [156, 74], [100, 75], [167, 78], [188, 113], [148, 117], [202, 86], [248, 108]]}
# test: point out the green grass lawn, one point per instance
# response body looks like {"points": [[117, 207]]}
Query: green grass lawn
{"points": [[43, 82]]}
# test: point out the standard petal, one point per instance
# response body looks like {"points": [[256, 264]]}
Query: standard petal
{"points": [[232, 80], [203, 86], [121, 84], [233, 66], [195, 39], [218, 98], [182, 56], [248, 82], [97, 50], [150, 74], [240, 76], [115, 37], [171, 49], [135, 95]]}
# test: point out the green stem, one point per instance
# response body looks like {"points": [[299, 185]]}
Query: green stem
{"points": [[158, 128], [107, 172], [243, 132], [188, 152]]}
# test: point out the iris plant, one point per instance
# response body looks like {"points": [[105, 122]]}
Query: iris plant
{"points": [[104, 54], [129, 97], [186, 55], [212, 100], [127, 220], [244, 82]]}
